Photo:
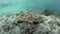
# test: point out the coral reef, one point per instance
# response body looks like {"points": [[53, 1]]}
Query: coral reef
{"points": [[29, 22], [29, 17], [48, 12]]}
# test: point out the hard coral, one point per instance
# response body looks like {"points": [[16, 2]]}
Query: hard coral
{"points": [[30, 17]]}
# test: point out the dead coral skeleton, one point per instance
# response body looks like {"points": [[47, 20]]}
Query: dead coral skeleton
{"points": [[29, 17]]}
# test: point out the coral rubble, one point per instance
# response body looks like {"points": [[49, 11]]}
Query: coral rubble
{"points": [[30, 22]]}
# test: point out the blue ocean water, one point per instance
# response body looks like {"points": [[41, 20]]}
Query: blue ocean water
{"points": [[14, 5]]}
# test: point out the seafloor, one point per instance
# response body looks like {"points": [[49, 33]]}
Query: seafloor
{"points": [[30, 22]]}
